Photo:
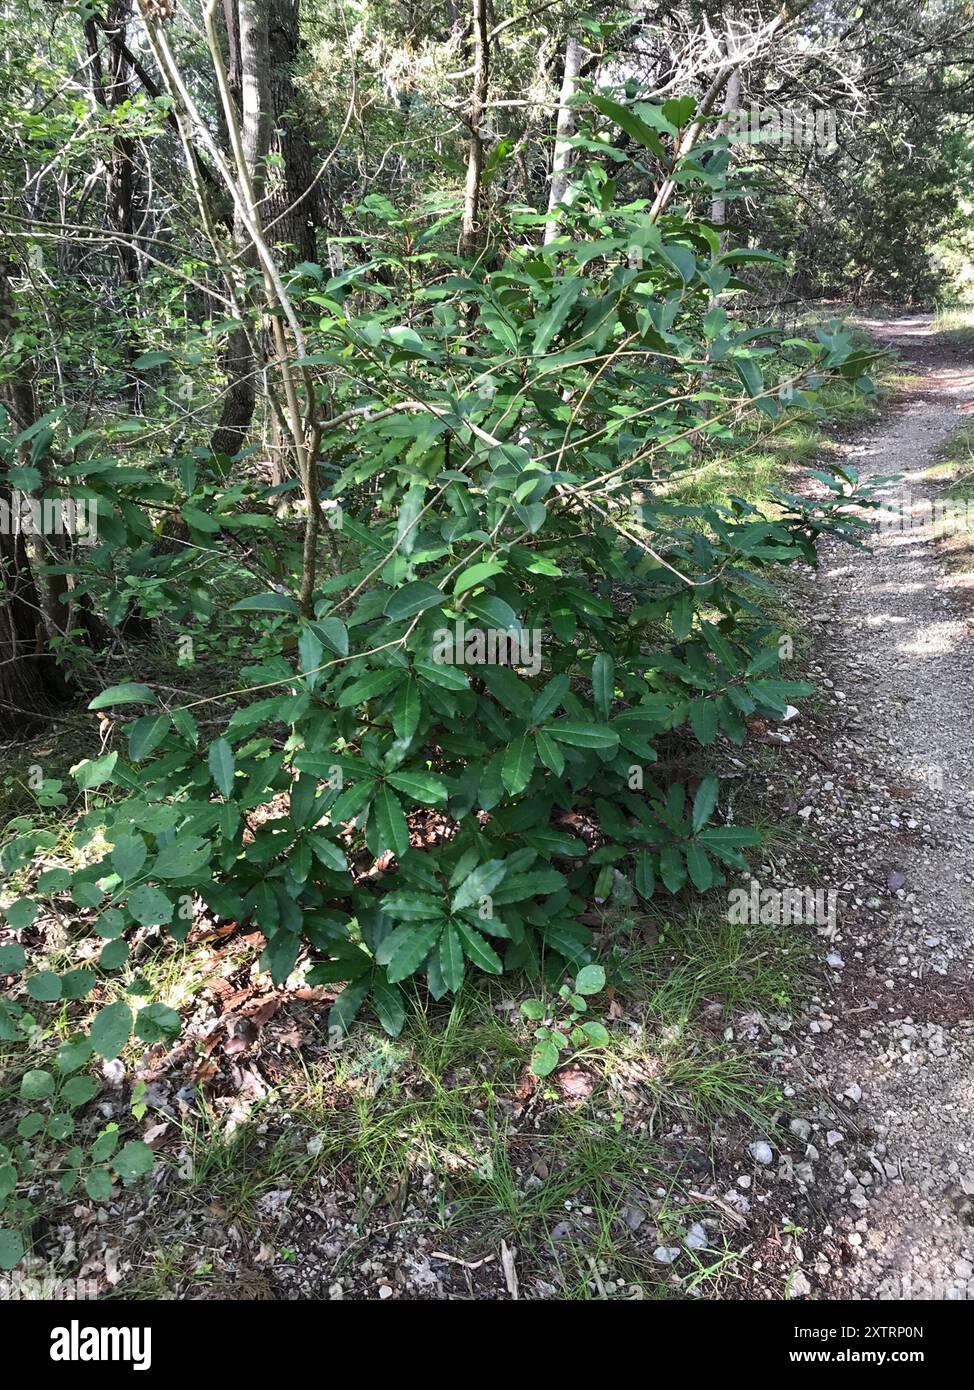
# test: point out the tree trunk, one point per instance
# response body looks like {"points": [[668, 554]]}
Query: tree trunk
{"points": [[732, 97], [470, 227], [564, 130], [31, 612], [291, 206], [120, 178], [246, 22]]}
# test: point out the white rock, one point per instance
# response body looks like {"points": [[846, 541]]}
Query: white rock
{"points": [[761, 1151]]}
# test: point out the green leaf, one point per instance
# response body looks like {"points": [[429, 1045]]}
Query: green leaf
{"points": [[603, 673], [222, 766], [128, 693], [412, 599], [45, 986], [346, 1006], [583, 735], [645, 877], [133, 1160], [79, 1090], [700, 869], [703, 720], [704, 802], [13, 958], [149, 906], [549, 753], [424, 787], [477, 949], [451, 958], [633, 125], [266, 603], [110, 1030], [597, 1034], [590, 979], [390, 1006], [11, 1248], [671, 868], [114, 954], [157, 1023], [98, 1184], [480, 883], [550, 323], [327, 852], [390, 823], [92, 772], [182, 857], [129, 855], [518, 765], [36, 1085], [544, 1059], [21, 913], [404, 950], [407, 708], [476, 574], [375, 683]]}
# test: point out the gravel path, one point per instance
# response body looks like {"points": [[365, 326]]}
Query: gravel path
{"points": [[889, 1057]]}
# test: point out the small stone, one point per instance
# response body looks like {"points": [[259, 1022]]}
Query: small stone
{"points": [[834, 1137], [799, 1286], [633, 1217], [802, 1129], [761, 1151], [853, 1093], [666, 1254], [696, 1237], [385, 1291]]}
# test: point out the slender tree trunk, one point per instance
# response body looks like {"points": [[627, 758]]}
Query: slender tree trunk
{"points": [[32, 610], [732, 100], [564, 130], [111, 91], [249, 73], [470, 227]]}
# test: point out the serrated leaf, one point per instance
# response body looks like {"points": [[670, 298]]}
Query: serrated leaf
{"points": [[222, 765], [404, 950], [452, 965], [390, 823], [704, 802], [603, 674], [478, 949], [406, 709], [518, 765]]}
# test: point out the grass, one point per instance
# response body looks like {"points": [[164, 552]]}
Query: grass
{"points": [[955, 324]]}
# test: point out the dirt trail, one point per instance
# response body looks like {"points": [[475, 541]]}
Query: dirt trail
{"points": [[890, 1049]]}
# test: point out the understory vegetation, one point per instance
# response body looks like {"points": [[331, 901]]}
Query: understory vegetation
{"points": [[385, 703]]}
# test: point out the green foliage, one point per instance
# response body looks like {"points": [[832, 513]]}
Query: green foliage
{"points": [[564, 1026], [519, 617]]}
